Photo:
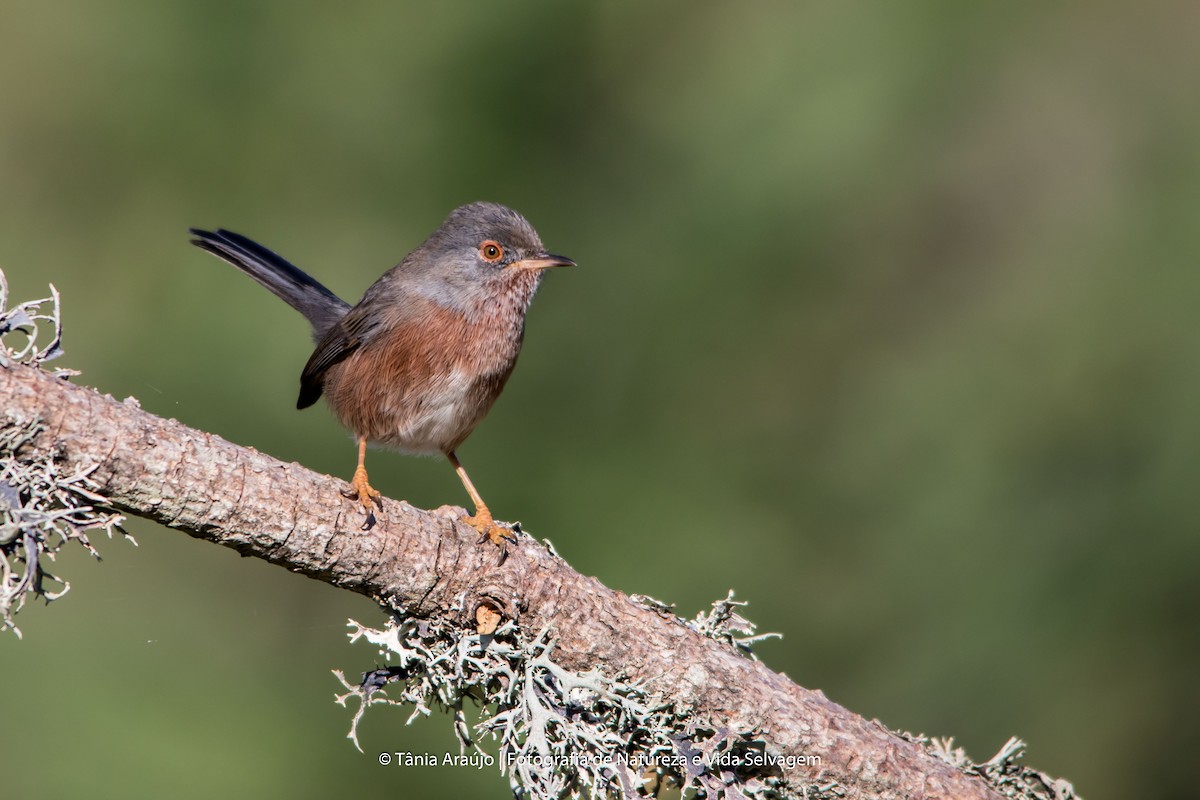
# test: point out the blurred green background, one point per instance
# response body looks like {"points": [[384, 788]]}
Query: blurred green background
{"points": [[886, 318]]}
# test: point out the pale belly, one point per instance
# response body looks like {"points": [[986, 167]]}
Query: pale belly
{"points": [[433, 419]]}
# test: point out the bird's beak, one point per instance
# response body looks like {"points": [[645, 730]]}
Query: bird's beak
{"points": [[542, 261]]}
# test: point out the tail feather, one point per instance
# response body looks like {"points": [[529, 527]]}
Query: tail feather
{"points": [[321, 307]]}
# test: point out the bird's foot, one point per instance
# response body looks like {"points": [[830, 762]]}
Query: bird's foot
{"points": [[367, 496], [490, 530]]}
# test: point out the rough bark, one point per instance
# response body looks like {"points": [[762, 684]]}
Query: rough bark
{"points": [[423, 562]]}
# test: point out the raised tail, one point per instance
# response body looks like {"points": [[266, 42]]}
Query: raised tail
{"points": [[321, 307]]}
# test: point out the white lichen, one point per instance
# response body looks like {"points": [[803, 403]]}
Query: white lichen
{"points": [[43, 506], [724, 624], [1004, 771], [557, 733]]}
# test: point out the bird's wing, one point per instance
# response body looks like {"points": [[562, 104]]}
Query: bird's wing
{"points": [[350, 333]]}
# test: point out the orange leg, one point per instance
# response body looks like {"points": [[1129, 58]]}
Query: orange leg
{"points": [[482, 520], [361, 490]]}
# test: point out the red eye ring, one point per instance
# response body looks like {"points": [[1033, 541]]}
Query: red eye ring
{"points": [[491, 251]]}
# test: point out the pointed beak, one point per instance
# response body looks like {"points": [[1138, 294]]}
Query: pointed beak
{"points": [[542, 261]]}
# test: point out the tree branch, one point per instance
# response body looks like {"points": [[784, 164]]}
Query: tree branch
{"points": [[429, 565]]}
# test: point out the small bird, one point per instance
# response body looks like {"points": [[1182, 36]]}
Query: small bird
{"points": [[421, 358]]}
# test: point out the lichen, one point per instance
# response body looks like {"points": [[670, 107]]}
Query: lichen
{"points": [[564, 734], [724, 624], [559, 733], [1004, 771], [43, 506]]}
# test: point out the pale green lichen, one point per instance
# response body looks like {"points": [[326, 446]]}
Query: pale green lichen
{"points": [[42, 506], [1004, 771], [562, 734], [558, 733]]}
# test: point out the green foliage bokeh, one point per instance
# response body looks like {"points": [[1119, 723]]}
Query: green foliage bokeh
{"points": [[885, 318]]}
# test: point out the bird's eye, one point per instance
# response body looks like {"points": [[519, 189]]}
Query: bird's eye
{"points": [[491, 251]]}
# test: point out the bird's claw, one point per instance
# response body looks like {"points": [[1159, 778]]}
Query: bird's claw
{"points": [[367, 496], [492, 531]]}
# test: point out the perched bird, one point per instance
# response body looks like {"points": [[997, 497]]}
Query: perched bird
{"points": [[418, 362]]}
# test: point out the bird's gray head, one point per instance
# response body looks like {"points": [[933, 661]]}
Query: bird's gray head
{"points": [[480, 250]]}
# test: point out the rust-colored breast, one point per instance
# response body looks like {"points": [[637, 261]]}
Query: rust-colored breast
{"points": [[423, 384]]}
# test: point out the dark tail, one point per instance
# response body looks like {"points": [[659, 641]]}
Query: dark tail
{"points": [[321, 307]]}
